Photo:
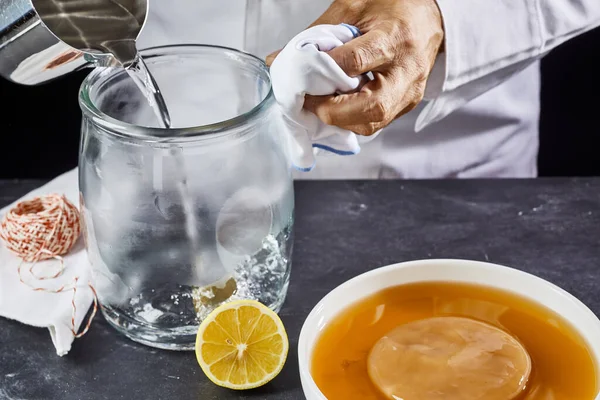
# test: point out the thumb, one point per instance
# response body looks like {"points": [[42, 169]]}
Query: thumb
{"points": [[367, 53]]}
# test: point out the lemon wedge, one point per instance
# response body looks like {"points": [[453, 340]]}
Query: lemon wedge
{"points": [[241, 345]]}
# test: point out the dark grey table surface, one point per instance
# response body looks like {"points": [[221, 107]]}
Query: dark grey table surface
{"points": [[549, 227]]}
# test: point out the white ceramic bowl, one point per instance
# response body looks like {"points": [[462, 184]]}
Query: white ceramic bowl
{"points": [[508, 279]]}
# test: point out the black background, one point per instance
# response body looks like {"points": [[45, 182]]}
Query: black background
{"points": [[40, 126]]}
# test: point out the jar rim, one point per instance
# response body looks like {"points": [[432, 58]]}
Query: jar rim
{"points": [[158, 135]]}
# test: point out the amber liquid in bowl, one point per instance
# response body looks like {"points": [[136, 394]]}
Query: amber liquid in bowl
{"points": [[562, 365]]}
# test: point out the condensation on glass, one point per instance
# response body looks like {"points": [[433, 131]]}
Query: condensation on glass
{"points": [[179, 221]]}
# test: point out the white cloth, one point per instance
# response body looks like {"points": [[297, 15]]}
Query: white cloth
{"points": [[42, 309], [481, 117], [303, 67]]}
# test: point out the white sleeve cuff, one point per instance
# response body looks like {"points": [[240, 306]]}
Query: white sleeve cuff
{"points": [[485, 36], [487, 42], [437, 78], [481, 38]]}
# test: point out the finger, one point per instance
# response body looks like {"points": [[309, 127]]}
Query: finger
{"points": [[367, 53], [271, 57], [326, 111], [376, 102]]}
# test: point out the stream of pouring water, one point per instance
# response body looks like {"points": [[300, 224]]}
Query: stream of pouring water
{"points": [[138, 71]]}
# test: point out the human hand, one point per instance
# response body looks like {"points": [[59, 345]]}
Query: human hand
{"points": [[399, 44]]}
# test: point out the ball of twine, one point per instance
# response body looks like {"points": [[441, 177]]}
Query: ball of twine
{"points": [[41, 228]]}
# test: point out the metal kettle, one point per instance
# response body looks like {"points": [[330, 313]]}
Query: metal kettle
{"points": [[41, 40]]}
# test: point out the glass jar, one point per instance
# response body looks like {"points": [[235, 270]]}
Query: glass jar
{"points": [[179, 221]]}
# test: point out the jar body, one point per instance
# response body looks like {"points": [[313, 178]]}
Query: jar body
{"points": [[176, 227]]}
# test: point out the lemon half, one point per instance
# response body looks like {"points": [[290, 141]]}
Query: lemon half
{"points": [[242, 345]]}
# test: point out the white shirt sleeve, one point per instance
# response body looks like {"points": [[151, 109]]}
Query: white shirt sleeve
{"points": [[488, 41]]}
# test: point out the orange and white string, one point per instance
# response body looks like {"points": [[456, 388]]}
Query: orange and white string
{"points": [[43, 228]]}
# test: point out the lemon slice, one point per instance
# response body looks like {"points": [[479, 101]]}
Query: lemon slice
{"points": [[241, 345]]}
